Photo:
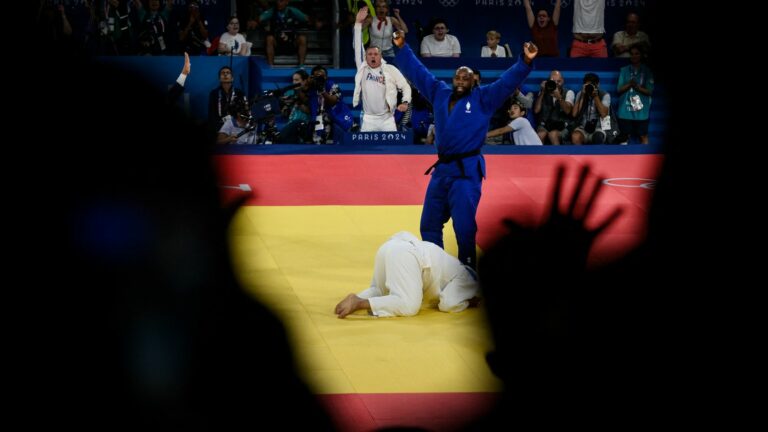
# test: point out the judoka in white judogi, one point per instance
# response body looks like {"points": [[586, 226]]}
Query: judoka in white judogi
{"points": [[409, 273]]}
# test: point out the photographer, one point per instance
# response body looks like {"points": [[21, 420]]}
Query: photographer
{"points": [[295, 106], [592, 109], [553, 108], [238, 127], [323, 95]]}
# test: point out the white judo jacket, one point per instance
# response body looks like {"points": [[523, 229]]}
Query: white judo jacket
{"points": [[409, 273]]}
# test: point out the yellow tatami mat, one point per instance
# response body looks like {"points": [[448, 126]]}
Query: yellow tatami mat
{"points": [[302, 260]]}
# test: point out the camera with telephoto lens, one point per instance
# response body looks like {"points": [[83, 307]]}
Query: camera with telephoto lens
{"points": [[589, 89], [550, 86], [317, 83]]}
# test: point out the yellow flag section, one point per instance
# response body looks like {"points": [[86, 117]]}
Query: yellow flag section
{"points": [[302, 260], [308, 236]]}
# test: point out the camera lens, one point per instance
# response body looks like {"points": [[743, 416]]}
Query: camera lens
{"points": [[589, 89], [550, 86]]}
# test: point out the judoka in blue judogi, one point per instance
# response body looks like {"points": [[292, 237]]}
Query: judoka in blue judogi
{"points": [[462, 115]]}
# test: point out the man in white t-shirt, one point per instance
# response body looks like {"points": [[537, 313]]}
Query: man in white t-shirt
{"points": [[440, 43], [522, 131], [409, 272], [377, 82]]}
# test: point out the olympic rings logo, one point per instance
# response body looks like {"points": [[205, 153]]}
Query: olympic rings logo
{"points": [[631, 182]]}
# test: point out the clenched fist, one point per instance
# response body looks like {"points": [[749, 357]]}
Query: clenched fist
{"points": [[398, 38]]}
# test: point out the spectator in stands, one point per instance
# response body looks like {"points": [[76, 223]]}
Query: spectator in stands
{"points": [[418, 117], [381, 26], [525, 100], [440, 43], [461, 119], [65, 28], [635, 87], [238, 127], [154, 28], [592, 107], [409, 272], [589, 29], [629, 37], [56, 29], [477, 77], [232, 42], [544, 29], [348, 16], [113, 33], [553, 108], [501, 116], [193, 30], [493, 49], [249, 11], [378, 83], [221, 97], [280, 25], [522, 131]]}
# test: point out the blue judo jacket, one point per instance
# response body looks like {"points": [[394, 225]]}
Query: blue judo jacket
{"points": [[462, 130]]}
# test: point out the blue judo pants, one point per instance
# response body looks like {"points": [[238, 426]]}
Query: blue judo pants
{"points": [[454, 198]]}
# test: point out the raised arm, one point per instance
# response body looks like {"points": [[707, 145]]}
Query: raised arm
{"points": [[493, 95], [556, 13], [399, 22], [529, 12], [357, 37], [414, 70]]}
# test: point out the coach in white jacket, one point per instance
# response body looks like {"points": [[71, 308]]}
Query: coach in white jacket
{"points": [[409, 272], [378, 82]]}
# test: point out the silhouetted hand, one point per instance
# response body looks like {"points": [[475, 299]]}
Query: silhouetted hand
{"points": [[563, 238], [533, 280]]}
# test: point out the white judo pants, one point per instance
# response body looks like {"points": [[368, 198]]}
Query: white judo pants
{"points": [[400, 285]]}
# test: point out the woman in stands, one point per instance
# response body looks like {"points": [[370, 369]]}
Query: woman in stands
{"points": [[232, 42], [544, 29], [381, 27]]}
